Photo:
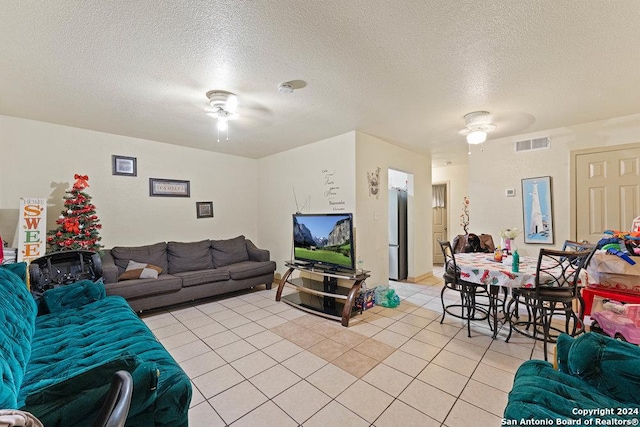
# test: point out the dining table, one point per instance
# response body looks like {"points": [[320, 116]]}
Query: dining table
{"points": [[482, 268]]}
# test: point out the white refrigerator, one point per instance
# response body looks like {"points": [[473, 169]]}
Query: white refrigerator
{"points": [[398, 265]]}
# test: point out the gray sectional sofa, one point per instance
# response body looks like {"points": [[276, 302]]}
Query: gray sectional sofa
{"points": [[188, 271]]}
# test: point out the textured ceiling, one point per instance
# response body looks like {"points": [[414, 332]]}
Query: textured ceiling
{"points": [[406, 71]]}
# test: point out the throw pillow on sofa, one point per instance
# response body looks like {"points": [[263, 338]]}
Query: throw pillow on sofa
{"points": [[74, 295], [140, 270], [192, 256], [231, 251], [151, 254]]}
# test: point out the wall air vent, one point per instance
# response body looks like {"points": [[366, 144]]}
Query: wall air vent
{"points": [[533, 144]]}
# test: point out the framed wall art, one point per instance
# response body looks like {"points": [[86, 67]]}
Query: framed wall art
{"points": [[169, 188], [122, 165], [537, 210], [204, 209]]}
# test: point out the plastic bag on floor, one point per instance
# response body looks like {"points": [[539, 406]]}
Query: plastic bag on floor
{"points": [[386, 296]]}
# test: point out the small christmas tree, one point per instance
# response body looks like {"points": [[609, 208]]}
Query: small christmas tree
{"points": [[78, 225]]}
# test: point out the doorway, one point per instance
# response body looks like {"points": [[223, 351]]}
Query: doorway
{"points": [[398, 224], [440, 220]]}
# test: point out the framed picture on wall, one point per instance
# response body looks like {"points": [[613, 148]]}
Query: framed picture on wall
{"points": [[204, 209], [169, 188], [122, 165], [537, 210]]}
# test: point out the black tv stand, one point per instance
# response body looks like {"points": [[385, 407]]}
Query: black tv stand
{"points": [[324, 298]]}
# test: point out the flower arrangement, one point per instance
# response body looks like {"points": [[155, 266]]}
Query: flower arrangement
{"points": [[510, 233], [464, 218]]}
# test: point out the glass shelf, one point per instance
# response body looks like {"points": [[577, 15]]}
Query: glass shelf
{"points": [[324, 306], [304, 284]]}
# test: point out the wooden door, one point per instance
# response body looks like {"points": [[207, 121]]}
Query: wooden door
{"points": [[607, 191], [439, 227]]}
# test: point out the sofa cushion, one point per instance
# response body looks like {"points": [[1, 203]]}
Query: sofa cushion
{"points": [[17, 317], [151, 254], [140, 270], [190, 256], [231, 251], [76, 397], [194, 278], [611, 366], [144, 287], [76, 341], [74, 295], [540, 392], [247, 269]]}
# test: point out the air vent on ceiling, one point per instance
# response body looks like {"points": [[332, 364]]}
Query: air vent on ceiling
{"points": [[533, 144]]}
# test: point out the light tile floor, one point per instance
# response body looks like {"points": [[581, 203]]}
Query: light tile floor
{"points": [[255, 362]]}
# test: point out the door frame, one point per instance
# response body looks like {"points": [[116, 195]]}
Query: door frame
{"points": [[573, 191], [448, 205]]}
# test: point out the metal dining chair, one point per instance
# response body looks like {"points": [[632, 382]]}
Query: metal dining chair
{"points": [[570, 245], [468, 309], [115, 409], [556, 290]]}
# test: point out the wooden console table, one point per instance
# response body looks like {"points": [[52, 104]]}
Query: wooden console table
{"points": [[322, 297]]}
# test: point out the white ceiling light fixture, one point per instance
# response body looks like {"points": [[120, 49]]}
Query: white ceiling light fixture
{"points": [[477, 125], [223, 106]]}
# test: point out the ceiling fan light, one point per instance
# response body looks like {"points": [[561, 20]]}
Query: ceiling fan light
{"points": [[232, 103], [476, 137], [223, 124]]}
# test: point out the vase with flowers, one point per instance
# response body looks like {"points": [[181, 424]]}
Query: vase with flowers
{"points": [[507, 235]]}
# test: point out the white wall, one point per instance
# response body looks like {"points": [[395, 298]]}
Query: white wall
{"points": [[40, 159], [323, 177], [457, 178], [372, 239], [499, 167]]}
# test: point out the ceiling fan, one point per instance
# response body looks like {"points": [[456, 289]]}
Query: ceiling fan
{"points": [[223, 106], [477, 125]]}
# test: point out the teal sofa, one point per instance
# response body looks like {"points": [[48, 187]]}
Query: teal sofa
{"points": [[597, 378], [59, 365]]}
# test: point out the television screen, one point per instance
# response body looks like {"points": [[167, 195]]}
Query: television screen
{"points": [[325, 239]]}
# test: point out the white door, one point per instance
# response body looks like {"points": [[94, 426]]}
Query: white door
{"points": [[607, 191], [439, 225]]}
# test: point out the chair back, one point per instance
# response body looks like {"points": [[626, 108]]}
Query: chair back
{"points": [[115, 409], [570, 245], [559, 271], [450, 266]]}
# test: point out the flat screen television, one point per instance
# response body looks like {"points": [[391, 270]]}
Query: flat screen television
{"points": [[324, 240]]}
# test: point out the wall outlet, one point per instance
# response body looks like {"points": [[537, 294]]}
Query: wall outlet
{"points": [[510, 192]]}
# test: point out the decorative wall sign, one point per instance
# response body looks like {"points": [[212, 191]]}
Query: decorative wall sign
{"points": [[374, 183], [169, 188], [122, 165], [32, 242], [331, 190], [537, 210], [204, 209]]}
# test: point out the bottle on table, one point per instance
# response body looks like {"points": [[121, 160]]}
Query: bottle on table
{"points": [[515, 263]]}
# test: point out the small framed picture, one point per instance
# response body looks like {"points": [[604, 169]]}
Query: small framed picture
{"points": [[169, 188], [204, 209], [122, 165]]}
